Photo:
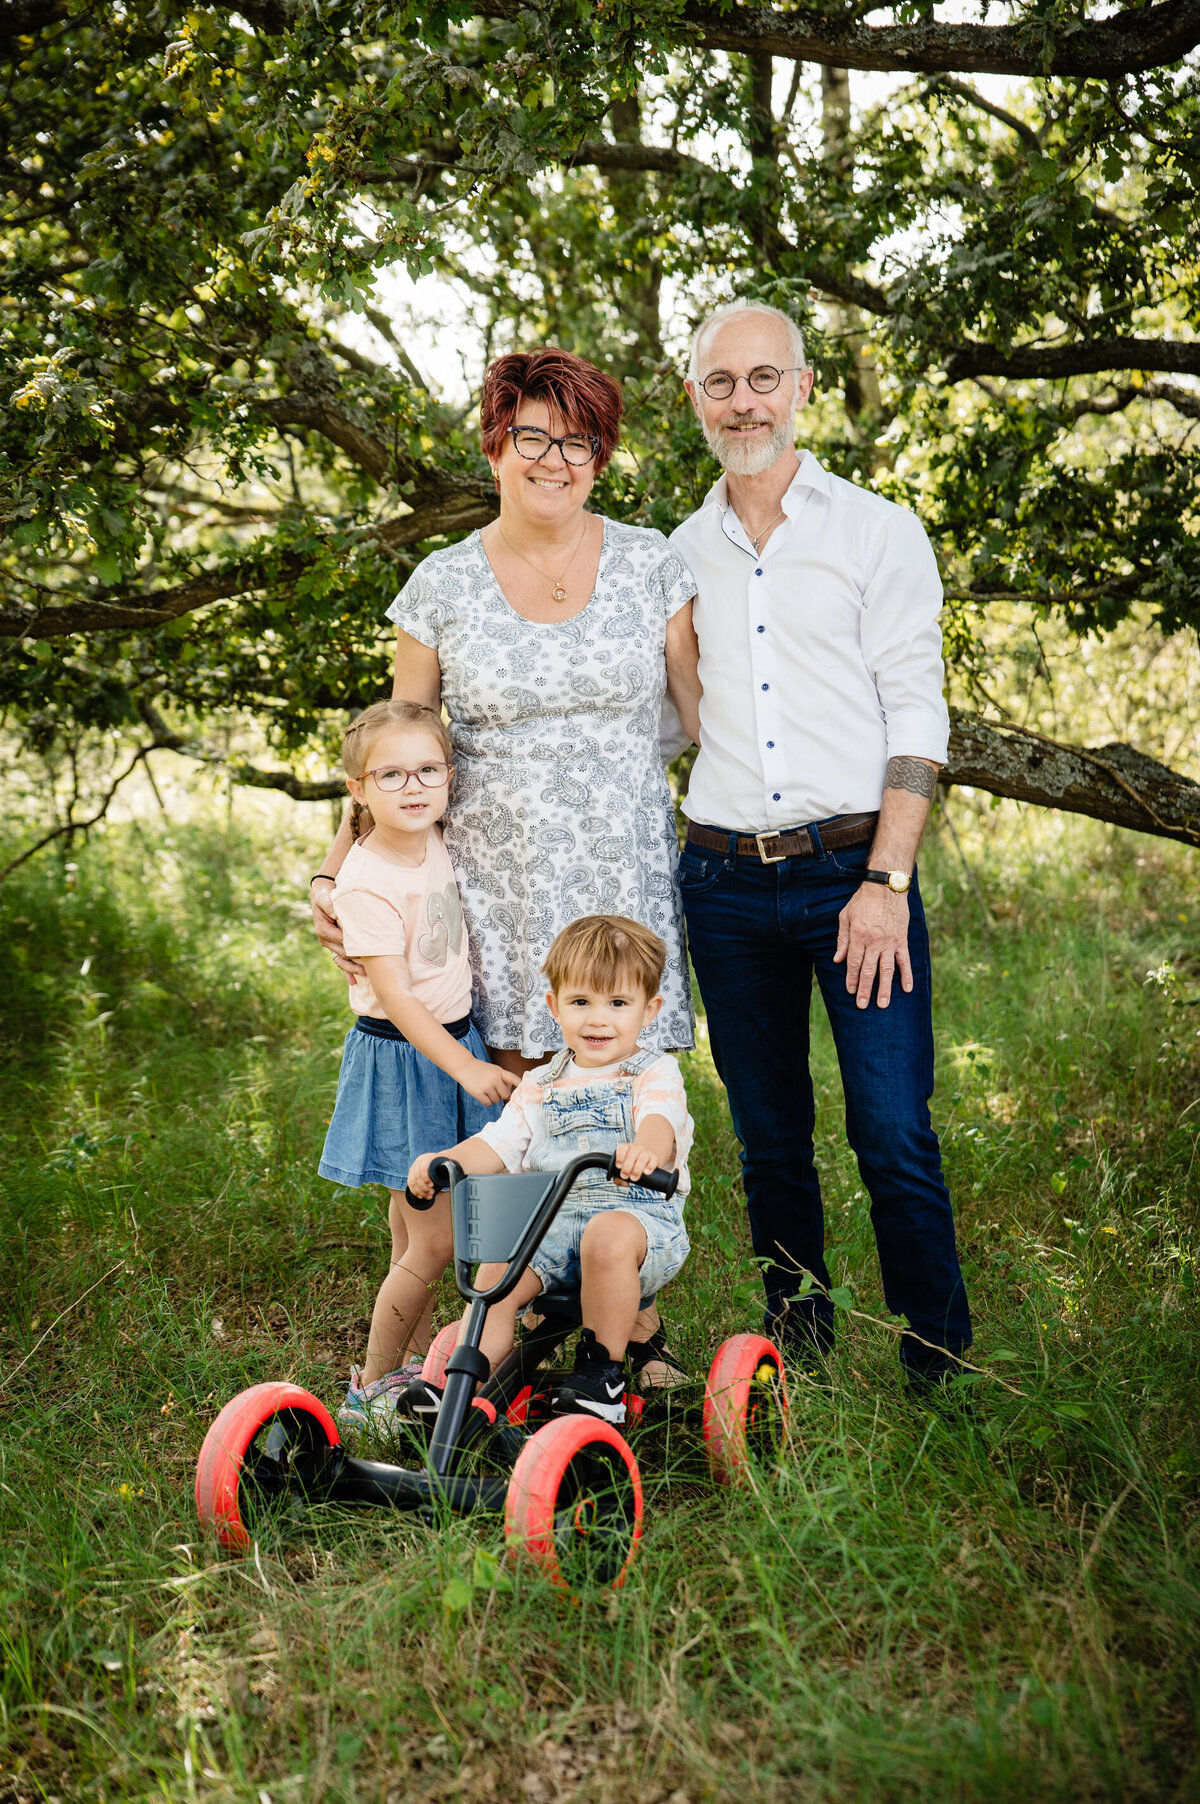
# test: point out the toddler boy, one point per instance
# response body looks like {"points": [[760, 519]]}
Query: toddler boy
{"points": [[615, 1245]]}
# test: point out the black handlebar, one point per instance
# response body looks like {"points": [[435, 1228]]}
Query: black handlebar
{"points": [[443, 1171], [667, 1182]]}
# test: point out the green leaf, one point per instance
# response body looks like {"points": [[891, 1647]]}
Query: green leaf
{"points": [[841, 1298], [457, 1596], [487, 1574]]}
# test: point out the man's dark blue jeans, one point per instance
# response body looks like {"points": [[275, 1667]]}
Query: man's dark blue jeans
{"points": [[757, 933]]}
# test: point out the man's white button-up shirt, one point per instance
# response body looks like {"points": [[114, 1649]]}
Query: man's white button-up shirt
{"points": [[820, 659]]}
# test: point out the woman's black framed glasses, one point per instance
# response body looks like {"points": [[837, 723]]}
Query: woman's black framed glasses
{"points": [[575, 447], [763, 379]]}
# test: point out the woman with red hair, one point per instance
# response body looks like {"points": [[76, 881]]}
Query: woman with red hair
{"points": [[549, 638]]}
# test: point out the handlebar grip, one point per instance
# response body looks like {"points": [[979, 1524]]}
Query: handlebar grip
{"points": [[441, 1176], [666, 1182]]}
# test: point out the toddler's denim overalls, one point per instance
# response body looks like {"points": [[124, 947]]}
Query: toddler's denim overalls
{"points": [[586, 1118]]}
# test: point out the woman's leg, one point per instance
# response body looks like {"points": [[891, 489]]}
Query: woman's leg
{"points": [[400, 1319]]}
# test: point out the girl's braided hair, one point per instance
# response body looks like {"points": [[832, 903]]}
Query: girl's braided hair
{"points": [[362, 732]]}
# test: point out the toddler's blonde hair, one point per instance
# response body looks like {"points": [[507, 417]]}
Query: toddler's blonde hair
{"points": [[362, 732], [600, 950]]}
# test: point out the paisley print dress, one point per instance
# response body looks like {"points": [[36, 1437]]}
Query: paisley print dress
{"points": [[560, 805]]}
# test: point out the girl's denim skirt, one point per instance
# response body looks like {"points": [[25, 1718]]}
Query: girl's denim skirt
{"points": [[393, 1104]]}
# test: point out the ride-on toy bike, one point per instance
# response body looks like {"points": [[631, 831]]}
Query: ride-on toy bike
{"points": [[569, 1487]]}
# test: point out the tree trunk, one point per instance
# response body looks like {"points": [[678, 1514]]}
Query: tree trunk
{"points": [[640, 285], [864, 403]]}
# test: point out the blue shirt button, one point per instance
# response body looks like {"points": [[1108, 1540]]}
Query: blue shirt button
{"points": [[770, 745], [766, 685], [758, 573], [762, 629], [775, 797]]}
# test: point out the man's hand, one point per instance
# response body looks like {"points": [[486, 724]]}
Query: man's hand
{"points": [[325, 926], [634, 1160], [485, 1082], [873, 943]]}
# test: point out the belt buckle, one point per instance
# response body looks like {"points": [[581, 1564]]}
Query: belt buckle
{"points": [[762, 853]]}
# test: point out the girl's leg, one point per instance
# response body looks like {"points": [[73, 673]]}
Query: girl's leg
{"points": [[610, 1258], [400, 1319], [397, 1225], [500, 1329]]}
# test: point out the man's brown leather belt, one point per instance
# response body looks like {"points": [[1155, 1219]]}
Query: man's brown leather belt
{"points": [[773, 848]]}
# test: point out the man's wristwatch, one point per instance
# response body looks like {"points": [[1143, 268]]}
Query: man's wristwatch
{"points": [[897, 881]]}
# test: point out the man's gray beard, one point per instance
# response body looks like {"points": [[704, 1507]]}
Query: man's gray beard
{"points": [[749, 460]]}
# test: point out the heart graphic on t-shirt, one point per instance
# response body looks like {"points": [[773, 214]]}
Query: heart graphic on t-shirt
{"points": [[445, 925]]}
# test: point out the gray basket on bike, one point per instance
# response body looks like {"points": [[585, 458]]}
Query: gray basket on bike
{"points": [[490, 1214]]}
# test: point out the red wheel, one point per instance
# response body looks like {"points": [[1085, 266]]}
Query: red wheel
{"points": [[443, 1344], [745, 1407], [441, 1347], [246, 1459], [574, 1505]]}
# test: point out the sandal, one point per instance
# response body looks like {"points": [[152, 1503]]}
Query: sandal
{"points": [[654, 1367]]}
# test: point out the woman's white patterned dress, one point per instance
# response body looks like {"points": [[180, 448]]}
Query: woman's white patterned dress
{"points": [[560, 802]]}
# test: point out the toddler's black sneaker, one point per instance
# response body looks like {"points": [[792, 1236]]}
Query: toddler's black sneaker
{"points": [[595, 1388], [418, 1402]]}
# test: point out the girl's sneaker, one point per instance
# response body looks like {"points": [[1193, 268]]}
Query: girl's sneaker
{"points": [[374, 1405]]}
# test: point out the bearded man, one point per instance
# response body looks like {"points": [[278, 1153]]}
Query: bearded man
{"points": [[822, 727]]}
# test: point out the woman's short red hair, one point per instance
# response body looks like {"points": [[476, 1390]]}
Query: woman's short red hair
{"points": [[584, 398]]}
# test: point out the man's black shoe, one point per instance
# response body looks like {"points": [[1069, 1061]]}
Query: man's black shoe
{"points": [[949, 1394]]}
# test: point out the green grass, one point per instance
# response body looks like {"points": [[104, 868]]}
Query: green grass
{"points": [[910, 1610]]}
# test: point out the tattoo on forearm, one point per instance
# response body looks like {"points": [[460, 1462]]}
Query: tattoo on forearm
{"points": [[912, 774]]}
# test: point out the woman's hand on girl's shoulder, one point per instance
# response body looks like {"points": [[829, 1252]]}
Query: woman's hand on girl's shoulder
{"points": [[328, 931]]}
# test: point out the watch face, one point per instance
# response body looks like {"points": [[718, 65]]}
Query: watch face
{"points": [[898, 881]]}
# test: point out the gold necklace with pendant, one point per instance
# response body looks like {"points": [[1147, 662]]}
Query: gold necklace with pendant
{"points": [[557, 592]]}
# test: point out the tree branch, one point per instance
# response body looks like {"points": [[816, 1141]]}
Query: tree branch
{"points": [[473, 505], [1026, 133], [300, 790], [1083, 357], [1126, 43], [24, 18], [168, 741], [1183, 400], [1112, 783]]}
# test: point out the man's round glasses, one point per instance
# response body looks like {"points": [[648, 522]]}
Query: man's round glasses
{"points": [[763, 379], [531, 442], [391, 777]]}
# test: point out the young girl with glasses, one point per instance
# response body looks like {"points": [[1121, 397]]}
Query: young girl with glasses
{"points": [[415, 1074]]}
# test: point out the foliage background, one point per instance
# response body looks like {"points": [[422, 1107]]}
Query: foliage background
{"points": [[219, 456]]}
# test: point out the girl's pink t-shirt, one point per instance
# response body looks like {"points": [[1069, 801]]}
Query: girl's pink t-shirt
{"points": [[387, 908]]}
